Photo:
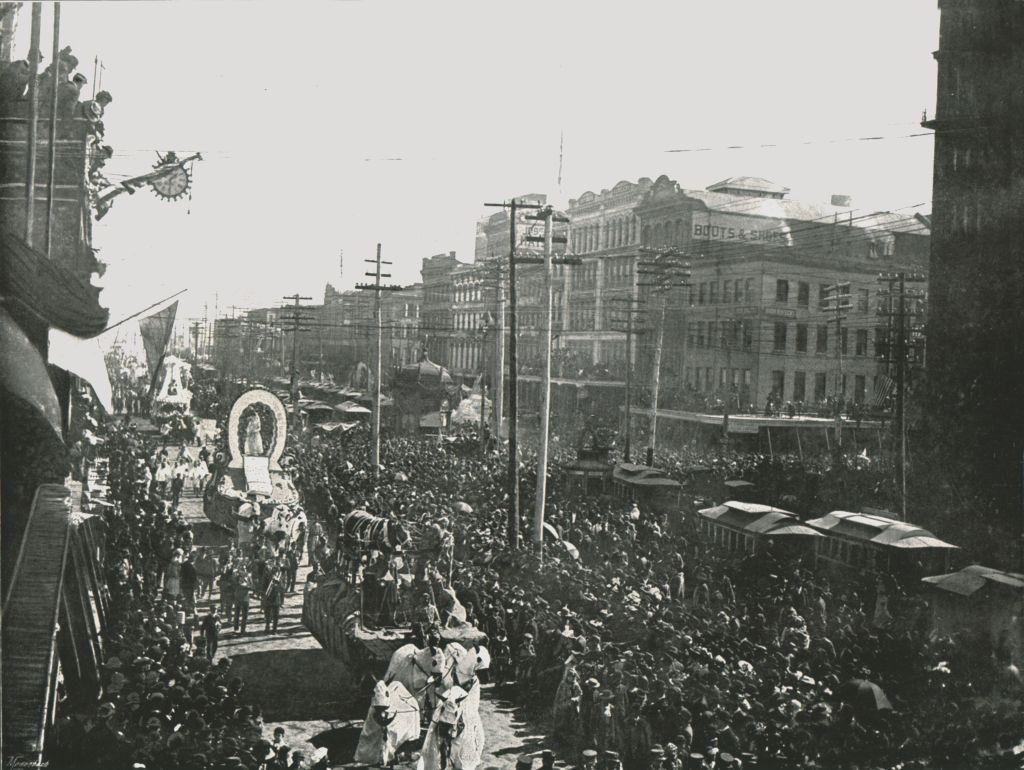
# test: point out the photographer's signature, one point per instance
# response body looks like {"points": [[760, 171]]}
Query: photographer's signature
{"points": [[23, 762]]}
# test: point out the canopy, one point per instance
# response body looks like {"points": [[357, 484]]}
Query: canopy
{"points": [[331, 427], [757, 519], [970, 580], [351, 407], [316, 406], [23, 372], [879, 530], [642, 476]]}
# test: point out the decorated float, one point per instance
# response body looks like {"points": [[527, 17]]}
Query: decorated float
{"points": [[250, 480], [172, 400], [388, 572]]}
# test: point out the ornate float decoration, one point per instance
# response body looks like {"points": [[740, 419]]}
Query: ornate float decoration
{"points": [[250, 480]]}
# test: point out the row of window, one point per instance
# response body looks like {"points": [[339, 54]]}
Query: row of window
{"points": [[608, 235], [739, 335], [815, 387]]}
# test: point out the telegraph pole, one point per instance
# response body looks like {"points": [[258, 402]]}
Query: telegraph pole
{"points": [[499, 357], [294, 389], [377, 287], [631, 309], [667, 272], [195, 340], [898, 354], [549, 217], [838, 300], [513, 396]]}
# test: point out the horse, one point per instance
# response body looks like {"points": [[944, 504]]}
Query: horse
{"points": [[361, 531], [392, 720], [421, 670], [455, 738]]}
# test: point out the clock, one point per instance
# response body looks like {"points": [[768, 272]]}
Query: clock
{"points": [[171, 182]]}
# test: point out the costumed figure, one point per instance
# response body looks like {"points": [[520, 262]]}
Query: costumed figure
{"points": [[455, 738], [423, 671], [253, 445], [393, 720]]}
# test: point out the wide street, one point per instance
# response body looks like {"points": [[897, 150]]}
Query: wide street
{"points": [[312, 696]]}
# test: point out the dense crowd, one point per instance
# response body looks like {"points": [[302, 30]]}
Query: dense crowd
{"points": [[659, 649], [164, 702]]}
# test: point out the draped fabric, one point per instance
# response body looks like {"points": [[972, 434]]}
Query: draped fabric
{"points": [[156, 332]]}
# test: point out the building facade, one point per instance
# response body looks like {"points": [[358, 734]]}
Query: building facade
{"points": [[755, 321], [975, 346]]}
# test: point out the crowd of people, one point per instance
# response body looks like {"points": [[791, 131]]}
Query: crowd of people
{"points": [[167, 700], [656, 649]]}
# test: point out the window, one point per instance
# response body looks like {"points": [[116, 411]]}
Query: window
{"points": [[799, 386], [823, 296], [859, 386], [713, 293], [748, 334], [821, 345], [803, 294], [726, 291], [844, 342], [703, 294], [801, 338], [863, 300], [707, 378], [748, 292], [713, 334], [862, 342], [700, 334], [691, 333], [780, 336], [782, 290], [779, 383], [819, 386]]}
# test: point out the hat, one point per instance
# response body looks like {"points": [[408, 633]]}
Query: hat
{"points": [[112, 663], [105, 710], [589, 754]]}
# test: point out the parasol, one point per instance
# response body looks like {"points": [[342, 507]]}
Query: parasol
{"points": [[865, 696]]}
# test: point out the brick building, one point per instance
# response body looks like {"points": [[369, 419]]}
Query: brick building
{"points": [[975, 346]]}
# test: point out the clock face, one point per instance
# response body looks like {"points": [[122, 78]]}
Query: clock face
{"points": [[172, 184]]}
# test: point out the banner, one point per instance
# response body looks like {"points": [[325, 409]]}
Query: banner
{"points": [[84, 358], [156, 333]]}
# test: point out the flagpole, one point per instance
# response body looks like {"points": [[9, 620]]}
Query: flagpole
{"points": [[150, 307]]}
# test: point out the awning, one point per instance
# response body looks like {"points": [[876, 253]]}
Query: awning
{"points": [[84, 358], [23, 372]]}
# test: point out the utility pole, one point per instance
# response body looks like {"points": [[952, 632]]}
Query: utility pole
{"points": [[377, 287], [513, 396], [549, 217], [295, 319], [838, 301], [898, 354], [631, 309], [34, 56], [52, 180], [499, 354], [195, 340], [667, 271]]}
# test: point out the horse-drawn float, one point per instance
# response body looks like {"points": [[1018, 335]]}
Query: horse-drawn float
{"points": [[250, 481], [380, 590]]}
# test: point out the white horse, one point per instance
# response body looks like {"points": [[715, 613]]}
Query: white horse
{"points": [[455, 738], [466, 665], [423, 671], [393, 719]]}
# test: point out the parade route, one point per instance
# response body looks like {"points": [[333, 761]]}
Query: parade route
{"points": [[312, 696]]}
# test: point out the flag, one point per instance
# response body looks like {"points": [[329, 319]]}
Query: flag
{"points": [[156, 333]]}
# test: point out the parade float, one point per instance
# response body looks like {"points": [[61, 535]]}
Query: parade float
{"points": [[172, 401], [249, 480], [386, 574]]}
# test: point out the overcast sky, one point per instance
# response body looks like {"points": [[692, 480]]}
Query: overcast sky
{"points": [[330, 126]]}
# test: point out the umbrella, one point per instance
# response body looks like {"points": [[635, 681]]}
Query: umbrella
{"points": [[462, 507], [865, 696]]}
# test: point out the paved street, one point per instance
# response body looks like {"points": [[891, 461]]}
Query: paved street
{"points": [[302, 689]]}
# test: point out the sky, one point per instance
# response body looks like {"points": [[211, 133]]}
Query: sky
{"points": [[330, 126]]}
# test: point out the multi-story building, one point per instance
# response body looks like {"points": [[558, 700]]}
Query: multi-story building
{"points": [[975, 354], [755, 320], [437, 316], [401, 341]]}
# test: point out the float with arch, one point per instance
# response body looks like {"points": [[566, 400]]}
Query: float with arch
{"points": [[250, 481]]}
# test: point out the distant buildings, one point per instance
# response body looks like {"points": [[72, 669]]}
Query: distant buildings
{"points": [[975, 341]]}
